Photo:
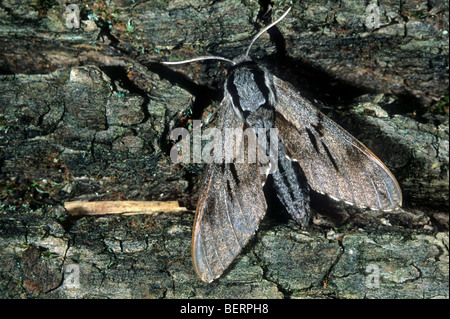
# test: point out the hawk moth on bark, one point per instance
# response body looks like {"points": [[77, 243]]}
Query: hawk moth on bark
{"points": [[232, 203]]}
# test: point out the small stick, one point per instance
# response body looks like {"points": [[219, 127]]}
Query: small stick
{"points": [[122, 207]]}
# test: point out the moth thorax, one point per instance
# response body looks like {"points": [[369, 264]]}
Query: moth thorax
{"points": [[251, 92], [251, 97]]}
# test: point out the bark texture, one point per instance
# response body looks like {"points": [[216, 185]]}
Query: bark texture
{"points": [[86, 114]]}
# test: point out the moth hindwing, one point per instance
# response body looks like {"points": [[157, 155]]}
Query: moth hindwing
{"points": [[309, 150]]}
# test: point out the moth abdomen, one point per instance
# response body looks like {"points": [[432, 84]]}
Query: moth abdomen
{"points": [[292, 188]]}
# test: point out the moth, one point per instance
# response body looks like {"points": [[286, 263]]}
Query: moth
{"points": [[232, 203]]}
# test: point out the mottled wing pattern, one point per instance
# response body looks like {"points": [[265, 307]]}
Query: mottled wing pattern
{"points": [[229, 210], [334, 162]]}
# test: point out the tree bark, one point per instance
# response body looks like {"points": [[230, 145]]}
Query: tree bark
{"points": [[86, 114]]}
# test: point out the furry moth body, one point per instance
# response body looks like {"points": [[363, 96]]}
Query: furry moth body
{"points": [[314, 152]]}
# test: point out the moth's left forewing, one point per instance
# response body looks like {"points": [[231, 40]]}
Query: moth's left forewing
{"points": [[230, 208], [334, 162]]}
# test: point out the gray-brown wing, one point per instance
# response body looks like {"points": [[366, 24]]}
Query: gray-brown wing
{"points": [[229, 210], [334, 162]]}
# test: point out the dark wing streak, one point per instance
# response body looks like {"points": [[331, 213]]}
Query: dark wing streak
{"points": [[355, 163], [376, 192], [363, 149], [318, 151], [205, 231], [338, 164], [238, 240], [389, 193], [337, 168], [228, 213], [223, 198], [369, 154], [214, 246], [197, 231], [244, 218], [207, 262], [316, 162], [346, 175], [383, 171]]}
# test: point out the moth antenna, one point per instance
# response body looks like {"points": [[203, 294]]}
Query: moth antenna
{"points": [[201, 58], [265, 29]]}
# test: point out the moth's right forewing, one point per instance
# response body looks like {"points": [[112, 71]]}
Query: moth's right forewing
{"points": [[334, 162], [229, 210]]}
